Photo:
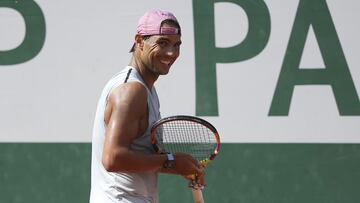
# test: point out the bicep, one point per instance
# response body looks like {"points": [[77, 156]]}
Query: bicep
{"points": [[126, 106]]}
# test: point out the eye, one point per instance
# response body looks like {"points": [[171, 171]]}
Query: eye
{"points": [[163, 43]]}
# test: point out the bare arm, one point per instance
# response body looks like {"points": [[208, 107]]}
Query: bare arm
{"points": [[124, 114], [126, 118]]}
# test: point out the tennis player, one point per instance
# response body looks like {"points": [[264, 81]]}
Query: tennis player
{"points": [[124, 165]]}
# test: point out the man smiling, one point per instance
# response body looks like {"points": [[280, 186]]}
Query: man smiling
{"points": [[124, 166]]}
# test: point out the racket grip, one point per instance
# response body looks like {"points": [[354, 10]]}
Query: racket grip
{"points": [[197, 195]]}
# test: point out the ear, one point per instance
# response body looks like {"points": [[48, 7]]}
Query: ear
{"points": [[139, 42]]}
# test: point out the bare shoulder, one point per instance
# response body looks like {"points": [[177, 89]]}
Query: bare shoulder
{"points": [[131, 91], [128, 97]]}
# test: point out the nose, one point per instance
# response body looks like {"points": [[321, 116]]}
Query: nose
{"points": [[172, 51]]}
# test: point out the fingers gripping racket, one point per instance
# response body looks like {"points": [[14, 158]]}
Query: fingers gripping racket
{"points": [[187, 134]]}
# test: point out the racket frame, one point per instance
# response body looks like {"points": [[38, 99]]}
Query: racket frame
{"points": [[185, 118]]}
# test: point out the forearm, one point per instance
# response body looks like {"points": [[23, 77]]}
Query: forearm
{"points": [[126, 160]]}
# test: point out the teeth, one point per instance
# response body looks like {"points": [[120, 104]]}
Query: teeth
{"points": [[165, 62]]}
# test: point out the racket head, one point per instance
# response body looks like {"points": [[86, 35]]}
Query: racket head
{"points": [[186, 134]]}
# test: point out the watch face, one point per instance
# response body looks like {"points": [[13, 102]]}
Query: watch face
{"points": [[169, 163]]}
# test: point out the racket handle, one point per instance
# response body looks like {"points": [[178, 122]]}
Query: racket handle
{"points": [[197, 195]]}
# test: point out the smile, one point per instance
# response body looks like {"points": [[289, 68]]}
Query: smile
{"points": [[165, 62]]}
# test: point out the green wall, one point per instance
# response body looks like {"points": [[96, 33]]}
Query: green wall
{"points": [[269, 173]]}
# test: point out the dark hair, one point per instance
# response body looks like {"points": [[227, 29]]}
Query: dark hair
{"points": [[145, 37], [171, 22]]}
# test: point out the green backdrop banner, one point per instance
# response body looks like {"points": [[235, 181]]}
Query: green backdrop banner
{"points": [[262, 173]]}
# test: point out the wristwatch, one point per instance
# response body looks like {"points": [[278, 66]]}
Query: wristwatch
{"points": [[169, 163]]}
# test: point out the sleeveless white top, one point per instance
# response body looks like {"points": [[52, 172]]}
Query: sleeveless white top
{"points": [[110, 187]]}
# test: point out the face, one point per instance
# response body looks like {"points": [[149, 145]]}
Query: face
{"points": [[160, 52]]}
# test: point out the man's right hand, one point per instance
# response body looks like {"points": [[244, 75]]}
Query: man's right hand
{"points": [[186, 165]]}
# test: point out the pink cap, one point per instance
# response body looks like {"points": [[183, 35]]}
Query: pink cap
{"points": [[150, 23]]}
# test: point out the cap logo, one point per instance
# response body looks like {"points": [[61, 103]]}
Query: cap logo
{"points": [[169, 31]]}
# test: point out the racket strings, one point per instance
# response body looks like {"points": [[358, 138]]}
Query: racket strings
{"points": [[188, 137]]}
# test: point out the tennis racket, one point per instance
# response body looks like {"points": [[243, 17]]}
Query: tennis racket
{"points": [[187, 134]]}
